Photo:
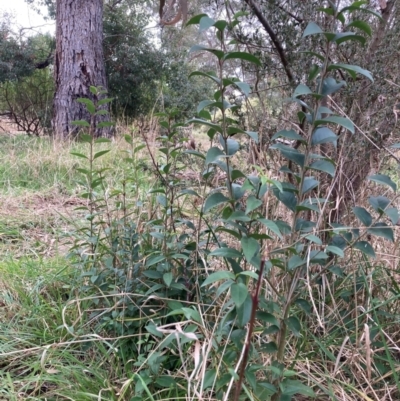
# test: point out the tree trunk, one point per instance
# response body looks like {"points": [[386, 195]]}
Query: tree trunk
{"points": [[79, 64]]}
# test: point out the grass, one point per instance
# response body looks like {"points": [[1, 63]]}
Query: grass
{"points": [[347, 349]]}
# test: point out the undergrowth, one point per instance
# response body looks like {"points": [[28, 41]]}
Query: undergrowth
{"points": [[191, 275]]}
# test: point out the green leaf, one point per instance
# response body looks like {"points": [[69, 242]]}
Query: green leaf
{"points": [[363, 215], [343, 121], [382, 230], [384, 180], [393, 214], [295, 261], [239, 294], [219, 53], [301, 90], [335, 250], [309, 184], [291, 135], [323, 135], [271, 225], [342, 37], [104, 124], [243, 313], [205, 23], [292, 387], [324, 165], [243, 56], [304, 305], [294, 325], [287, 198], [379, 203], [216, 127], [330, 86], [213, 200], [101, 153], [213, 154], [250, 248], [312, 29], [232, 146], [365, 247], [252, 203], [290, 153], [364, 26], [88, 103], [253, 135], [80, 123], [105, 101], [208, 75], [168, 277], [196, 19], [226, 253], [244, 87], [106, 140], [218, 276], [79, 155], [353, 70], [267, 317]]}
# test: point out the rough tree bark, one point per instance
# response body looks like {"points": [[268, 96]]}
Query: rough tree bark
{"points": [[78, 64]]}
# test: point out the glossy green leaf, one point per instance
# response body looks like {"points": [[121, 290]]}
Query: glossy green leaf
{"points": [[312, 29], [330, 86], [213, 200], [99, 154], [384, 180], [364, 26], [343, 121], [325, 166], [243, 56], [232, 146], [290, 153], [302, 90], [335, 250], [218, 276], [363, 215], [353, 70], [365, 247], [243, 313], [382, 230], [323, 135], [287, 198], [271, 225], [168, 277], [79, 155], [289, 134], [379, 203], [208, 75], [226, 253], [309, 184], [292, 387], [205, 23], [393, 214], [88, 103], [252, 203], [295, 261], [294, 325], [218, 53], [244, 87], [304, 305], [213, 154], [239, 293], [250, 248], [196, 19]]}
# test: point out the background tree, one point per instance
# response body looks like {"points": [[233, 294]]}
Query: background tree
{"points": [[78, 64]]}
